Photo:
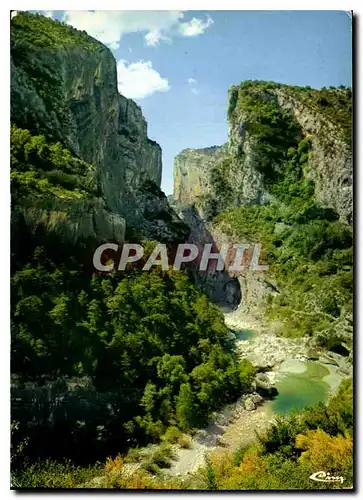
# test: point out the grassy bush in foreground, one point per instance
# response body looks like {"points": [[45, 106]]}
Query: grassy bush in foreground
{"points": [[319, 438], [49, 474], [174, 436]]}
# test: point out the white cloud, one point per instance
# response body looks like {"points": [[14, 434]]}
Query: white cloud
{"points": [[110, 26], [101, 25], [195, 27], [138, 80], [191, 81], [153, 38], [195, 91], [47, 13]]}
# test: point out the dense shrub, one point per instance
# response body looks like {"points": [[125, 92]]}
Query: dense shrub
{"points": [[308, 249], [318, 438]]}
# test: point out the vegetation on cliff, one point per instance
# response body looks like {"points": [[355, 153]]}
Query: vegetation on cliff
{"points": [[317, 439], [335, 103], [105, 363], [295, 447], [136, 353], [50, 33], [308, 249], [311, 261], [43, 170], [99, 362]]}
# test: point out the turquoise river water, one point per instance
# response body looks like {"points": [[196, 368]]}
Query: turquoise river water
{"points": [[299, 383]]}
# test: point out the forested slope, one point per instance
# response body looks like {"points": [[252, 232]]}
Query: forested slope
{"points": [[99, 362]]}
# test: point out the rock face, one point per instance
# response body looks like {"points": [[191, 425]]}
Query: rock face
{"points": [[330, 163], [236, 173], [73, 222], [289, 149], [64, 86], [220, 287], [192, 168]]}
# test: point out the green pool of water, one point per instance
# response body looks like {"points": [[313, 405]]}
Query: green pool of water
{"points": [[298, 390], [244, 334]]}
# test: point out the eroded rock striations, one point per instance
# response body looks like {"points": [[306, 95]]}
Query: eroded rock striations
{"points": [[284, 179], [192, 172], [64, 87], [240, 171], [330, 163]]}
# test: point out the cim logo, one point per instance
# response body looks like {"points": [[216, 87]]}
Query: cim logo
{"points": [[326, 477]]}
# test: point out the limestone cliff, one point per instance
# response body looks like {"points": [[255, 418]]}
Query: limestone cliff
{"points": [[64, 87], [192, 169], [264, 121], [284, 180], [330, 163]]}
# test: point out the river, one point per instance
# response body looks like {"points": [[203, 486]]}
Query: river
{"points": [[300, 382]]}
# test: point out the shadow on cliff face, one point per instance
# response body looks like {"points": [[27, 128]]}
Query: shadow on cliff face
{"points": [[219, 286]]}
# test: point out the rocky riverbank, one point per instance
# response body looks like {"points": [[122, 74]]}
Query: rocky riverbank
{"points": [[276, 359], [235, 426], [268, 352]]}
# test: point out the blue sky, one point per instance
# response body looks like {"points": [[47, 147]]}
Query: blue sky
{"points": [[178, 66]]}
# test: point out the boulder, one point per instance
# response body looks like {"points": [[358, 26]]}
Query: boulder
{"points": [[251, 401], [264, 386], [249, 404]]}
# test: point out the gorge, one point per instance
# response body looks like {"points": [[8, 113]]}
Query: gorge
{"points": [[130, 368]]}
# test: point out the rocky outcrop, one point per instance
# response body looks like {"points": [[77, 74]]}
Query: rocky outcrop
{"points": [[240, 172], [192, 172], [251, 401], [64, 86], [330, 157], [256, 289], [221, 287], [330, 163], [72, 222], [264, 387]]}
